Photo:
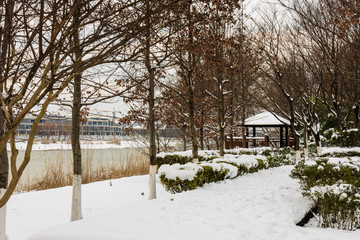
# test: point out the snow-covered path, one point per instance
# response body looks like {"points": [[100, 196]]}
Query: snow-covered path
{"points": [[263, 205]]}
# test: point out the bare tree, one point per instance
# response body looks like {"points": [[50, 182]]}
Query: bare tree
{"points": [[39, 62], [330, 28]]}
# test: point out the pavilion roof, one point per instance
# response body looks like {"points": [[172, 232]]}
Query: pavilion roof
{"points": [[266, 119]]}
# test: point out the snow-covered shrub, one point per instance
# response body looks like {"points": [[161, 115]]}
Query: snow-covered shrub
{"points": [[282, 156], [327, 171], [276, 157], [178, 178], [346, 138], [249, 151], [338, 205], [183, 157], [172, 159], [342, 154], [312, 149], [334, 184]]}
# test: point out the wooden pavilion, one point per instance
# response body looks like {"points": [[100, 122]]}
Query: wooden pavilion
{"points": [[255, 126]]}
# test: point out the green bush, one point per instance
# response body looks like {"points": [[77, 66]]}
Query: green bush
{"points": [[276, 157], [206, 174], [321, 172], [346, 138], [342, 154], [250, 151], [177, 186], [209, 175], [281, 157], [172, 159], [338, 206], [319, 177], [241, 168]]}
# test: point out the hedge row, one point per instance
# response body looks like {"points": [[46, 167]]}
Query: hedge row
{"points": [[184, 157], [275, 157], [334, 184], [178, 178]]}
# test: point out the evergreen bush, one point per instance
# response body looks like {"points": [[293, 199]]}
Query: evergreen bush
{"points": [[338, 205], [334, 185], [208, 172], [173, 159], [281, 157], [346, 138]]}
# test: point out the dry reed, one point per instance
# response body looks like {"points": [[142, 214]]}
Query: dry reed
{"points": [[57, 174], [115, 141]]}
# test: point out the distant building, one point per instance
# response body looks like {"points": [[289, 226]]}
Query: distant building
{"points": [[61, 126], [102, 127]]}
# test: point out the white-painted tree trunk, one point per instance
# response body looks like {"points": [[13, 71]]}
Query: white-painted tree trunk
{"points": [[195, 160], [318, 149], [76, 198], [306, 153], [152, 182], [2, 218], [298, 155]]}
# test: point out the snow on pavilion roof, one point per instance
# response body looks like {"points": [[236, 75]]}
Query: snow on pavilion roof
{"points": [[266, 119]]}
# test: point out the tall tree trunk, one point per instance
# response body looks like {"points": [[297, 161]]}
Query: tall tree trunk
{"points": [[356, 117], [75, 134], [317, 142], [356, 122], [4, 161], [157, 141], [201, 138], [221, 119], [243, 84], [306, 150], [221, 141], [190, 86], [243, 112], [232, 112], [297, 148], [202, 131], [4, 176], [192, 126], [232, 126], [184, 137], [297, 141], [151, 100], [220, 98], [217, 143]]}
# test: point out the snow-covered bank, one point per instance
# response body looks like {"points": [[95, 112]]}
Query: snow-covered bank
{"points": [[262, 205], [96, 144]]}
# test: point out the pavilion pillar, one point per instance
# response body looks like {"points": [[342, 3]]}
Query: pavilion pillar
{"points": [[281, 137], [246, 135], [287, 136], [266, 141], [254, 135]]}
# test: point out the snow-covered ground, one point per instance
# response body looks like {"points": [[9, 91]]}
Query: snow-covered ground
{"points": [[262, 205]]}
